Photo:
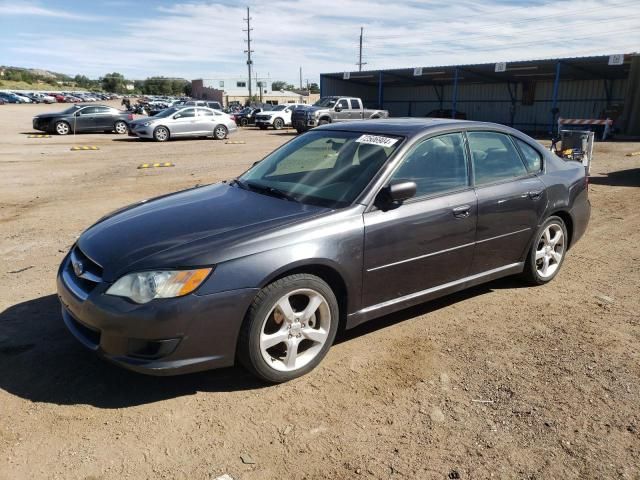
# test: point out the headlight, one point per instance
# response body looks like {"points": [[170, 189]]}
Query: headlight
{"points": [[142, 287], [146, 124]]}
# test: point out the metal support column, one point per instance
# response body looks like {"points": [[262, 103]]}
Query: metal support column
{"points": [[455, 93], [380, 90], [554, 101]]}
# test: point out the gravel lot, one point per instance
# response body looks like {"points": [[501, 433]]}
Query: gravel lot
{"points": [[499, 381]]}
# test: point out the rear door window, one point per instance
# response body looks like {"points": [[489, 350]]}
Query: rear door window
{"points": [[204, 113], [355, 104], [495, 157]]}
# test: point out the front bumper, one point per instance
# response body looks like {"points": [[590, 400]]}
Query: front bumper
{"points": [[163, 337], [141, 131]]}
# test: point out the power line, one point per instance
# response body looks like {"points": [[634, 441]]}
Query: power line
{"points": [[248, 51]]}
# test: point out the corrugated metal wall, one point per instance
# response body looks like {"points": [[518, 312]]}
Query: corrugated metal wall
{"points": [[490, 102]]}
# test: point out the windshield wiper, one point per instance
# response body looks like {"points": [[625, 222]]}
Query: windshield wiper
{"points": [[274, 192], [239, 183]]}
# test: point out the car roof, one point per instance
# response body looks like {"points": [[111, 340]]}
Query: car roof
{"points": [[410, 127]]}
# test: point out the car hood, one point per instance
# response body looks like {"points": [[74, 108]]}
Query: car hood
{"points": [[43, 116], [311, 108], [185, 229]]}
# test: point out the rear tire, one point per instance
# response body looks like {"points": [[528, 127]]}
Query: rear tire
{"points": [[547, 252], [121, 127], [323, 121], [289, 328], [161, 134], [220, 132], [244, 122]]}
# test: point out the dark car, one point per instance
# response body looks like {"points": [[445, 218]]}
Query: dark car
{"points": [[94, 118], [247, 116], [343, 224], [9, 97]]}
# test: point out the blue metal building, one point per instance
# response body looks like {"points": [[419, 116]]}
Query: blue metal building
{"points": [[528, 95]]}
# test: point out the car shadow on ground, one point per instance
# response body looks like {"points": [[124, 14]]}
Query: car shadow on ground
{"points": [[284, 134], [621, 178], [41, 362]]}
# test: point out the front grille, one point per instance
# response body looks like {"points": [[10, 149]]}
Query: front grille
{"points": [[81, 274]]}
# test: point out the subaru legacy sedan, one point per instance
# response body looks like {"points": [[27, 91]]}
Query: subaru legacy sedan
{"points": [[341, 225]]}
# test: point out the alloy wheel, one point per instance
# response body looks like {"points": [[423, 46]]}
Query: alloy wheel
{"points": [[220, 132], [295, 330], [121, 128], [62, 128], [550, 250]]}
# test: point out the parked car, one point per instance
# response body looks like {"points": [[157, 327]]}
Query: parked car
{"points": [[178, 122], [246, 116], [203, 103], [84, 118], [23, 98], [42, 97], [331, 110], [10, 97], [446, 113], [343, 224], [278, 118]]}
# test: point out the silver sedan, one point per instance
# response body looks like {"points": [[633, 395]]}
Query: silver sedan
{"points": [[183, 121]]}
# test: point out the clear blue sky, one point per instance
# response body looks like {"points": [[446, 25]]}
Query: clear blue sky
{"points": [[198, 38]]}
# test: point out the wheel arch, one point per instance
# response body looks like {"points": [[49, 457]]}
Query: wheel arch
{"points": [[568, 222], [326, 272], [325, 117]]}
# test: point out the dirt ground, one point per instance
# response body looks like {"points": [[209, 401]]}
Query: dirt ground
{"points": [[499, 381]]}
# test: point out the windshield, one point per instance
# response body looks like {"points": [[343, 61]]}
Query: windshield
{"points": [[166, 112], [326, 168], [327, 102], [72, 109], [246, 110]]}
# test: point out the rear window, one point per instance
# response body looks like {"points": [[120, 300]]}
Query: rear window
{"points": [[532, 158]]}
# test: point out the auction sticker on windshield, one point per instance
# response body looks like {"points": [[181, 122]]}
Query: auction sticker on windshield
{"points": [[377, 140]]}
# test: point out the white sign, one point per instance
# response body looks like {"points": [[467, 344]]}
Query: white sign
{"points": [[501, 67], [346, 75], [417, 71], [377, 140], [616, 59]]}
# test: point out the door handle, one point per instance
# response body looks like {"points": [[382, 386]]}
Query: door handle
{"points": [[462, 211], [535, 195]]}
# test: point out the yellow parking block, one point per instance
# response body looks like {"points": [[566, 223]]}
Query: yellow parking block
{"points": [[84, 147], [156, 165], [235, 142], [39, 136], [633, 154]]}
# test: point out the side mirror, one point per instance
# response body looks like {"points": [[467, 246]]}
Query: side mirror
{"points": [[338, 109], [396, 193], [177, 116]]}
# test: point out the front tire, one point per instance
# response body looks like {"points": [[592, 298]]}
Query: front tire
{"points": [[62, 128], [161, 134], [278, 124], [289, 328], [547, 252], [244, 122], [323, 121]]}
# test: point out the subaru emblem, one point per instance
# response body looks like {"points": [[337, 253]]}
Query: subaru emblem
{"points": [[78, 268]]}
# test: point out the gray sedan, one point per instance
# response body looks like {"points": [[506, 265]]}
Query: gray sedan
{"points": [[184, 122], [348, 222]]}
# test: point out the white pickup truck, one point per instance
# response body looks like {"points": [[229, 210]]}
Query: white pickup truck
{"points": [[278, 118]]}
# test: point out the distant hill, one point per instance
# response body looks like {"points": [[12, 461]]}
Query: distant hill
{"points": [[37, 73]]}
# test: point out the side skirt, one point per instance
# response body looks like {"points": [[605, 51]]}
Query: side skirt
{"points": [[400, 303]]}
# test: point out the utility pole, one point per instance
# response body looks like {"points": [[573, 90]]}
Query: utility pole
{"points": [[300, 78], [248, 51], [360, 62]]}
